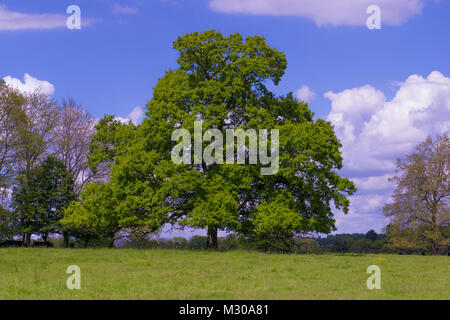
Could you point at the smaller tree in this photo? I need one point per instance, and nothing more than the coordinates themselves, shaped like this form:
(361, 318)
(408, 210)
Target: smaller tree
(11, 114)
(40, 197)
(342, 245)
(104, 212)
(420, 213)
(6, 231)
(307, 245)
(35, 131)
(97, 214)
(371, 235)
(73, 134)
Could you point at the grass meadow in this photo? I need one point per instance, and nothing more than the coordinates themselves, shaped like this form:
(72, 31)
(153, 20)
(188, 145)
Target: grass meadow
(34, 273)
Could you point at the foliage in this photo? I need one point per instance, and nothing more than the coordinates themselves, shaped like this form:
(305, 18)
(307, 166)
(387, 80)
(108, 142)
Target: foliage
(6, 231)
(362, 246)
(371, 235)
(35, 131)
(230, 242)
(307, 246)
(420, 212)
(11, 115)
(197, 243)
(40, 197)
(96, 215)
(222, 81)
(73, 135)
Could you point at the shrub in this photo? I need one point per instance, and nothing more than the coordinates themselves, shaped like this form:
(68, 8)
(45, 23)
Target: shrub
(177, 243)
(197, 243)
(306, 246)
(230, 242)
(140, 243)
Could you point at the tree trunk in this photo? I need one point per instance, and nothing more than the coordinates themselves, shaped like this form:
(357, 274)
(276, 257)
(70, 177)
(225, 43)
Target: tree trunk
(66, 240)
(44, 237)
(111, 243)
(28, 240)
(211, 242)
(434, 248)
(86, 241)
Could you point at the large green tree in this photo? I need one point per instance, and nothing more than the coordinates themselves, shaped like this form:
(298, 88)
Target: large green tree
(223, 82)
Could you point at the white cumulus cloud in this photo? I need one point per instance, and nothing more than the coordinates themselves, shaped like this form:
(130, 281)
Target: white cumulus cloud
(136, 116)
(30, 84)
(325, 12)
(305, 94)
(373, 183)
(374, 131)
(13, 20)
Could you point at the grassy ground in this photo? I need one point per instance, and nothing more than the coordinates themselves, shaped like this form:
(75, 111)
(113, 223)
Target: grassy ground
(169, 274)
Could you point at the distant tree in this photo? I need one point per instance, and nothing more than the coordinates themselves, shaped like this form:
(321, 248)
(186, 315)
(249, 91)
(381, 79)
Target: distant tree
(371, 235)
(11, 115)
(73, 134)
(307, 245)
(230, 242)
(420, 213)
(6, 230)
(342, 245)
(197, 242)
(40, 198)
(380, 245)
(35, 131)
(362, 246)
(177, 243)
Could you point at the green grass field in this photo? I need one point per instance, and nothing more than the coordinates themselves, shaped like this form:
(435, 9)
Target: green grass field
(172, 274)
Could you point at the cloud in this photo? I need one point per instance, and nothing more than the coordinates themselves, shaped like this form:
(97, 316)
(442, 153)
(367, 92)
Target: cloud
(375, 131)
(373, 183)
(136, 116)
(30, 84)
(364, 214)
(13, 21)
(325, 12)
(356, 222)
(305, 94)
(117, 8)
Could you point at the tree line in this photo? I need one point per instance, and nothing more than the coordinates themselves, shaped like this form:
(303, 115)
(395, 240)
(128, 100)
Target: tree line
(370, 242)
(354, 243)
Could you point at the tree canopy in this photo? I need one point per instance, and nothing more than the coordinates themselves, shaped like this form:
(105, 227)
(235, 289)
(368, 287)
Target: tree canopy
(223, 82)
(420, 212)
(40, 198)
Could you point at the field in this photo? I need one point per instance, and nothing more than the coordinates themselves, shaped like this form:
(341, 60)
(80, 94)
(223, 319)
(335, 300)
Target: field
(172, 274)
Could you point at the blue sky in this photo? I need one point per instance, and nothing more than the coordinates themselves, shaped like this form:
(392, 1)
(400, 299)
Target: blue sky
(385, 90)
